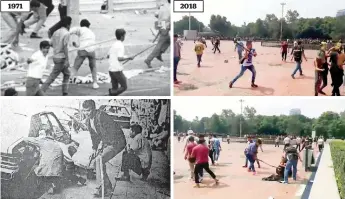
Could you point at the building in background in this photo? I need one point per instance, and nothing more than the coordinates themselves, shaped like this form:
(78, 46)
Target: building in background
(295, 111)
(341, 13)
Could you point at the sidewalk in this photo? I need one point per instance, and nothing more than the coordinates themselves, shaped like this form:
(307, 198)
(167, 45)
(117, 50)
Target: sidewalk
(324, 185)
(138, 37)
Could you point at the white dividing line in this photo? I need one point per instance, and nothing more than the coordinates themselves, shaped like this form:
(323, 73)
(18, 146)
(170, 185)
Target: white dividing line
(300, 190)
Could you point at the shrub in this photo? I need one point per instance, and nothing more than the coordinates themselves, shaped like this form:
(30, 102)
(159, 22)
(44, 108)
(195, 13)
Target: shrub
(338, 156)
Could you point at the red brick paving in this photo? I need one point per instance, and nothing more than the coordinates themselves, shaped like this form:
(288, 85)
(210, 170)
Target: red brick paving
(235, 181)
(273, 76)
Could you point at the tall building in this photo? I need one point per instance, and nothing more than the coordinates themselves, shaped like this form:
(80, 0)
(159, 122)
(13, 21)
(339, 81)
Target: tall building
(341, 13)
(295, 111)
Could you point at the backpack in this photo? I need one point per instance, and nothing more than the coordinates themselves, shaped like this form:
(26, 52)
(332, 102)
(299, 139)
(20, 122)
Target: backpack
(291, 153)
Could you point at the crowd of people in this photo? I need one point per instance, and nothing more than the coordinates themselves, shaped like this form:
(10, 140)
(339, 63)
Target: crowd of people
(60, 39)
(198, 154)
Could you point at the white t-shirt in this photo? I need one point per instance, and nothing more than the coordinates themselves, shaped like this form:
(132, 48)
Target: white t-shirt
(287, 140)
(39, 64)
(320, 141)
(86, 37)
(116, 50)
(298, 140)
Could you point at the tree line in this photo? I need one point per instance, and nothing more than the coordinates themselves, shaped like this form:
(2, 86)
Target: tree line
(294, 27)
(329, 124)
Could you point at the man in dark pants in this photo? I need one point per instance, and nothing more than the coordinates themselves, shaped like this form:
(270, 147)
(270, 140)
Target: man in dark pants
(59, 42)
(210, 146)
(216, 45)
(107, 138)
(63, 13)
(177, 57)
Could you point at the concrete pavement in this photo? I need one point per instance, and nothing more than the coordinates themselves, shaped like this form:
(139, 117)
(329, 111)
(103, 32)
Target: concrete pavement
(324, 185)
(272, 75)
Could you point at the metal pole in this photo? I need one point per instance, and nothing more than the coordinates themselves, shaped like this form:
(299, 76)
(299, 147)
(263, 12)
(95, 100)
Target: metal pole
(241, 100)
(73, 12)
(281, 21)
(189, 21)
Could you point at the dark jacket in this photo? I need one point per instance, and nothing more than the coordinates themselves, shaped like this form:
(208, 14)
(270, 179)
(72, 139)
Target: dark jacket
(108, 131)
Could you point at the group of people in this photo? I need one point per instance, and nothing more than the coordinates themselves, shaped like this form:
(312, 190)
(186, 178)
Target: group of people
(59, 35)
(108, 140)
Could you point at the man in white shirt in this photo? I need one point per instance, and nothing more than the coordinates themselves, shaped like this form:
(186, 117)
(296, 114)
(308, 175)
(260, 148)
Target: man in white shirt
(298, 143)
(320, 143)
(164, 31)
(37, 64)
(117, 54)
(86, 38)
(286, 142)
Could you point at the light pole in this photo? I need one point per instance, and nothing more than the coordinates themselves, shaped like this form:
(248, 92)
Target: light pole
(241, 101)
(281, 21)
(189, 21)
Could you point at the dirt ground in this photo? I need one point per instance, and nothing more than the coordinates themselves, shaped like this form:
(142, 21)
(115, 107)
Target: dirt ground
(273, 76)
(235, 181)
(138, 37)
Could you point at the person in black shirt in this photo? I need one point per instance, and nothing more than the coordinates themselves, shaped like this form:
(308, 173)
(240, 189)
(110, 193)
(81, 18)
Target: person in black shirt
(298, 52)
(216, 45)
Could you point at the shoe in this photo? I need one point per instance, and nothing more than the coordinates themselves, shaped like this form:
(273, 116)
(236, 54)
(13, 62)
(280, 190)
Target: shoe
(177, 82)
(148, 64)
(245, 166)
(64, 94)
(254, 85)
(321, 92)
(301, 75)
(95, 85)
(259, 166)
(230, 85)
(81, 180)
(35, 36)
(293, 77)
(283, 182)
(159, 57)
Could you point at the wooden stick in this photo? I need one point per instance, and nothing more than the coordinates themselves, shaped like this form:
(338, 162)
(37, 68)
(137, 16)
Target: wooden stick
(140, 53)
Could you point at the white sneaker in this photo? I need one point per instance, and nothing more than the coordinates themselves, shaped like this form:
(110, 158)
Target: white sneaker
(95, 85)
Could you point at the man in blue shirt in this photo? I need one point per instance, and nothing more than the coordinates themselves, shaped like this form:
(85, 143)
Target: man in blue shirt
(251, 152)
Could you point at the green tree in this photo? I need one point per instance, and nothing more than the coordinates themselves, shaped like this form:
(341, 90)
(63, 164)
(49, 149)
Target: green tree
(183, 24)
(220, 24)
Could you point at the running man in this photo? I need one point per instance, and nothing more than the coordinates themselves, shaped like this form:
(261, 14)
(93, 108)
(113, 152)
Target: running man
(297, 53)
(247, 64)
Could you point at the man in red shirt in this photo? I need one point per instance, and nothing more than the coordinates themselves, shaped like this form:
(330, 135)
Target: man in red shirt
(284, 50)
(191, 161)
(200, 153)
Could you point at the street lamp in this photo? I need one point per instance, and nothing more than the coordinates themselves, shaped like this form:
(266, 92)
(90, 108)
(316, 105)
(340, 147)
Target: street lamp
(241, 101)
(281, 21)
(189, 21)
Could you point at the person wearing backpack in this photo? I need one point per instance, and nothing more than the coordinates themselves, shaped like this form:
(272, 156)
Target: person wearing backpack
(292, 157)
(298, 52)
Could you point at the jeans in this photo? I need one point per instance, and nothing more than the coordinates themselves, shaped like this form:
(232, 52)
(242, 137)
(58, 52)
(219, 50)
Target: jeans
(198, 58)
(239, 55)
(216, 154)
(59, 67)
(290, 164)
(298, 68)
(176, 61)
(243, 69)
(251, 162)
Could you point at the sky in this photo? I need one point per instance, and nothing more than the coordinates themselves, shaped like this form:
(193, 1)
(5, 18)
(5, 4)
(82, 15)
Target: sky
(190, 107)
(238, 12)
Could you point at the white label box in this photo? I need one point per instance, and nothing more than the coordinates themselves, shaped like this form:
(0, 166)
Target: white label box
(190, 6)
(15, 6)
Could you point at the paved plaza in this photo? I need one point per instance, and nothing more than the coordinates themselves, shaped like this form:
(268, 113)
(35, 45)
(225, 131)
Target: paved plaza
(273, 76)
(235, 181)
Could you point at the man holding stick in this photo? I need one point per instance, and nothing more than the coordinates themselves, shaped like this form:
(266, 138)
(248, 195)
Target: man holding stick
(107, 137)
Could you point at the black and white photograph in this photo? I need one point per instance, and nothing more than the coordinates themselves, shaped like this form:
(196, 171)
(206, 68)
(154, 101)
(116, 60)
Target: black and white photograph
(86, 48)
(85, 148)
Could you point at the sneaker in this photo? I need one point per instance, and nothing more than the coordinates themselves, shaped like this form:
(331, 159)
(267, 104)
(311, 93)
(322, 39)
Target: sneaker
(230, 85)
(95, 85)
(293, 77)
(148, 64)
(254, 85)
(283, 182)
(245, 166)
(35, 36)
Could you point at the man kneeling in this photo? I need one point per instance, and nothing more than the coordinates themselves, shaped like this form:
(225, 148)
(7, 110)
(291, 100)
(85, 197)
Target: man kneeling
(138, 155)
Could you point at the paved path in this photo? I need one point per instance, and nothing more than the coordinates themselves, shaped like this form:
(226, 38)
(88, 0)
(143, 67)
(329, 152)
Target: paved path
(325, 173)
(137, 38)
(235, 181)
(273, 76)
